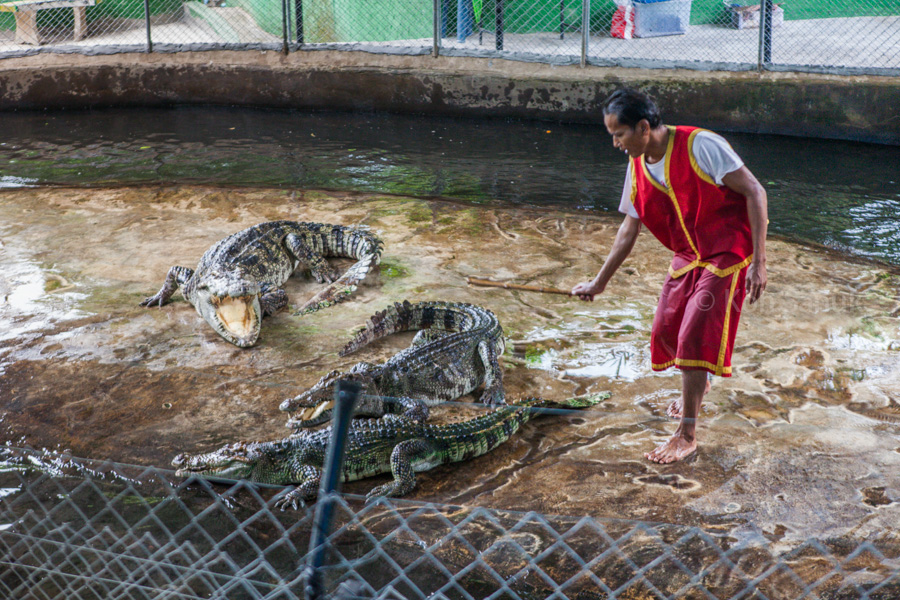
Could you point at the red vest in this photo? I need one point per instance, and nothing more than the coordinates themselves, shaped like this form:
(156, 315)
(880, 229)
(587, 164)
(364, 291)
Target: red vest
(704, 224)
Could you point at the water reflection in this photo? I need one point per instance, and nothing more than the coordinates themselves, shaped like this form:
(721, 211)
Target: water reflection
(8, 181)
(599, 343)
(32, 297)
(625, 361)
(840, 194)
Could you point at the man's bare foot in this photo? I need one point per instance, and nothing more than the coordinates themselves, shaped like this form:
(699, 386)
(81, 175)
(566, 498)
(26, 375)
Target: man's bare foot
(677, 448)
(675, 410)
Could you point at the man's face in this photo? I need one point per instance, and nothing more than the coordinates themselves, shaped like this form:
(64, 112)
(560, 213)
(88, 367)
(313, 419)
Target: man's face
(630, 140)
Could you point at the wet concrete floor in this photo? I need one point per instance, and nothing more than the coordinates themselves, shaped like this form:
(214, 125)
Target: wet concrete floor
(803, 441)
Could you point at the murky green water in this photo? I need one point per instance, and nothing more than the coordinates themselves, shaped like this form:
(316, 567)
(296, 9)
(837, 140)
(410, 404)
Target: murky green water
(840, 194)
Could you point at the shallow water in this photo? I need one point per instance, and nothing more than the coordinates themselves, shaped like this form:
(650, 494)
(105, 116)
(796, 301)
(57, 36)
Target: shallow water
(843, 195)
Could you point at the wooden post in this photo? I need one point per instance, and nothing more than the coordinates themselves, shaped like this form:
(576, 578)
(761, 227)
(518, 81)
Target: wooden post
(80, 22)
(26, 27)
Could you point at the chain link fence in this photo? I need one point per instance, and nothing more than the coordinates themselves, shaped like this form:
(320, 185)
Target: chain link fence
(850, 36)
(72, 528)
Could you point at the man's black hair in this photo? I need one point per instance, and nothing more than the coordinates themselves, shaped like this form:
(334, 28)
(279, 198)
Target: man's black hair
(630, 106)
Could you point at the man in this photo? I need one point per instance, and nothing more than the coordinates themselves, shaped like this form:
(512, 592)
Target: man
(692, 191)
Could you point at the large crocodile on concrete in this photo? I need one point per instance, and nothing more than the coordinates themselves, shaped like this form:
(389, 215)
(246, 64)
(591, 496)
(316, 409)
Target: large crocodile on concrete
(238, 280)
(455, 350)
(392, 444)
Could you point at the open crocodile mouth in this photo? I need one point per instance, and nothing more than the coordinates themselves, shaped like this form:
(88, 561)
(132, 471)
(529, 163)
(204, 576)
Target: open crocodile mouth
(237, 315)
(313, 412)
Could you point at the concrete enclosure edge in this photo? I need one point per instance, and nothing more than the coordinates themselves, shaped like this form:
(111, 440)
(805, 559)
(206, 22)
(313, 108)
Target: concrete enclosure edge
(862, 108)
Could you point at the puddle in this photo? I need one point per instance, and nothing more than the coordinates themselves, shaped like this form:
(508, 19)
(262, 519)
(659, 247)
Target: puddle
(32, 297)
(626, 361)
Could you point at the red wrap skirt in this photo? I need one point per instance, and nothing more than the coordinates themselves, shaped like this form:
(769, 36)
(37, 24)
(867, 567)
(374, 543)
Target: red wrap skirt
(696, 321)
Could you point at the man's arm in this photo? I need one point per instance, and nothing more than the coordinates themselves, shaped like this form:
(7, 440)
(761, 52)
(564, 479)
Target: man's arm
(743, 182)
(621, 248)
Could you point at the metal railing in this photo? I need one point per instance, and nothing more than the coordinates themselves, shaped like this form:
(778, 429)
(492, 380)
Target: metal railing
(853, 36)
(74, 528)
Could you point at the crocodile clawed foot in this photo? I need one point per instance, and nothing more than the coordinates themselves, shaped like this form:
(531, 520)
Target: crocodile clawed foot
(293, 499)
(326, 275)
(156, 300)
(380, 491)
(493, 398)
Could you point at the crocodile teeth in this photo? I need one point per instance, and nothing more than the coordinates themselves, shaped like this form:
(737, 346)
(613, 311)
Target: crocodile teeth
(236, 315)
(314, 411)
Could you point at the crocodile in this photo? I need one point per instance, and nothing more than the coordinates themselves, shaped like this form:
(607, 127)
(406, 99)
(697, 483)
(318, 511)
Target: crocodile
(392, 444)
(238, 280)
(455, 350)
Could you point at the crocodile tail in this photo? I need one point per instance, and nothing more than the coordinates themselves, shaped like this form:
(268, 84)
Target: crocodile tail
(340, 289)
(585, 401)
(357, 243)
(405, 316)
(347, 242)
(581, 401)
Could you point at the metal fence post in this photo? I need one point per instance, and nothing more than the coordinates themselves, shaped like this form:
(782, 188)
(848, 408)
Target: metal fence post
(562, 19)
(147, 23)
(765, 34)
(585, 30)
(438, 16)
(498, 24)
(285, 10)
(344, 400)
(299, 21)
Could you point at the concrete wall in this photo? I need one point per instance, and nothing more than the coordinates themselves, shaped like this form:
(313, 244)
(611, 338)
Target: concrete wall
(855, 108)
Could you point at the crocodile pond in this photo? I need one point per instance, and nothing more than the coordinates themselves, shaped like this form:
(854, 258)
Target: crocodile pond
(803, 440)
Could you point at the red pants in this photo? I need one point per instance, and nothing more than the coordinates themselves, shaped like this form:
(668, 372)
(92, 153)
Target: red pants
(696, 321)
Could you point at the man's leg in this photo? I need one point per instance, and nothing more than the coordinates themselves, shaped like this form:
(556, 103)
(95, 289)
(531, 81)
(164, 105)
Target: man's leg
(676, 407)
(684, 441)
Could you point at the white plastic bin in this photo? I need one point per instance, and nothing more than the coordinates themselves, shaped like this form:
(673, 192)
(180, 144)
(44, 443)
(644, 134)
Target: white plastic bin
(670, 17)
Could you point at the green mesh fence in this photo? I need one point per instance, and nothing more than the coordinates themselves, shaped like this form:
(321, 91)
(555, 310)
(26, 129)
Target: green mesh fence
(858, 36)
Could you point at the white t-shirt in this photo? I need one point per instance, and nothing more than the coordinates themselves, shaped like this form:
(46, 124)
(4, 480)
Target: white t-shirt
(714, 156)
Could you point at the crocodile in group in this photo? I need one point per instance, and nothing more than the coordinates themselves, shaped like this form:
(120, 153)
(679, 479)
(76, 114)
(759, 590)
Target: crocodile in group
(455, 350)
(238, 280)
(392, 444)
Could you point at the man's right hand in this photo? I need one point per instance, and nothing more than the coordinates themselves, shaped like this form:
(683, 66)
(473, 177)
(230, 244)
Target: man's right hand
(624, 242)
(586, 290)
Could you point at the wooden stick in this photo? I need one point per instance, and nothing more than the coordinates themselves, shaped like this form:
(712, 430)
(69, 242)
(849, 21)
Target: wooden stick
(516, 286)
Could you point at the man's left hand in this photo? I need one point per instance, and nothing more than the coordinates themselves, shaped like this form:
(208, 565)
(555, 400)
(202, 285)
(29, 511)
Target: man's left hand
(756, 281)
